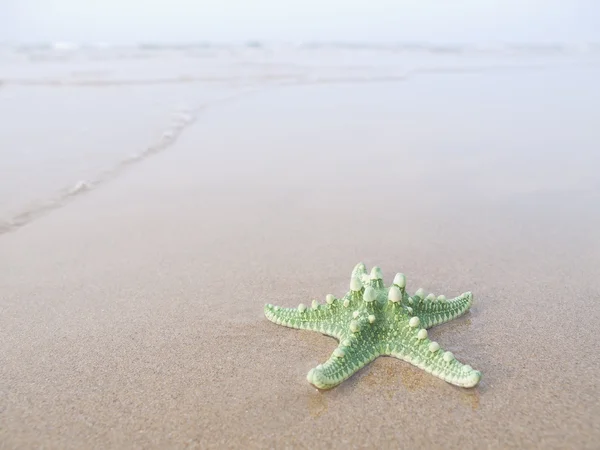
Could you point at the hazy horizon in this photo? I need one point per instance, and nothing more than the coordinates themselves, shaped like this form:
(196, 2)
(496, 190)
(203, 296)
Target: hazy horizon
(375, 21)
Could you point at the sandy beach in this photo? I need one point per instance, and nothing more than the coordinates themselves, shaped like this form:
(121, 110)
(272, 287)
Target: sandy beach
(132, 316)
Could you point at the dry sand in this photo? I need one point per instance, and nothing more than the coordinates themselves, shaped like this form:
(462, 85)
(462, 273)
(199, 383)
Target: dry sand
(132, 317)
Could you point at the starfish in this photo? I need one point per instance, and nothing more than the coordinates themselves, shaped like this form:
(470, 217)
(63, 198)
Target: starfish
(373, 320)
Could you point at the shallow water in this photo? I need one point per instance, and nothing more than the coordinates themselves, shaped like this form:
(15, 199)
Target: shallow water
(72, 118)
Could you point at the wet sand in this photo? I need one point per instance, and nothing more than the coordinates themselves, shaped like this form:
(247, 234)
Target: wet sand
(132, 317)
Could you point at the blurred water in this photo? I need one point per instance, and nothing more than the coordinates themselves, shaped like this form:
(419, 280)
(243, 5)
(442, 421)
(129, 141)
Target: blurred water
(73, 117)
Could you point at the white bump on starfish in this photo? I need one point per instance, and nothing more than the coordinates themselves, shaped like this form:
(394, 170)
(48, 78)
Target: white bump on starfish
(409, 309)
(376, 273)
(355, 284)
(394, 295)
(329, 299)
(467, 368)
(400, 280)
(301, 307)
(355, 314)
(414, 322)
(430, 297)
(339, 352)
(434, 347)
(448, 357)
(354, 326)
(346, 343)
(422, 334)
(371, 318)
(346, 303)
(441, 298)
(315, 304)
(420, 293)
(369, 295)
(410, 300)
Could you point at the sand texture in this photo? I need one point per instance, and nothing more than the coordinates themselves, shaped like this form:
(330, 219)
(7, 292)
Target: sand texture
(133, 316)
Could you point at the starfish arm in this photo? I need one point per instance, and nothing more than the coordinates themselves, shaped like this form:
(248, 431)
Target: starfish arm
(319, 318)
(344, 362)
(439, 310)
(414, 347)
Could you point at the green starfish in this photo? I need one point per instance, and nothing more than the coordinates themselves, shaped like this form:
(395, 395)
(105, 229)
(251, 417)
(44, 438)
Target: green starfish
(372, 320)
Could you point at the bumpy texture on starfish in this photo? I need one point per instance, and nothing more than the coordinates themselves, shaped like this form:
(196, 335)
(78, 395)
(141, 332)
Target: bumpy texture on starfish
(372, 320)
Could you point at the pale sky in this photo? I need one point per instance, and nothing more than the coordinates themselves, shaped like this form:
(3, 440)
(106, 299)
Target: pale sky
(128, 21)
